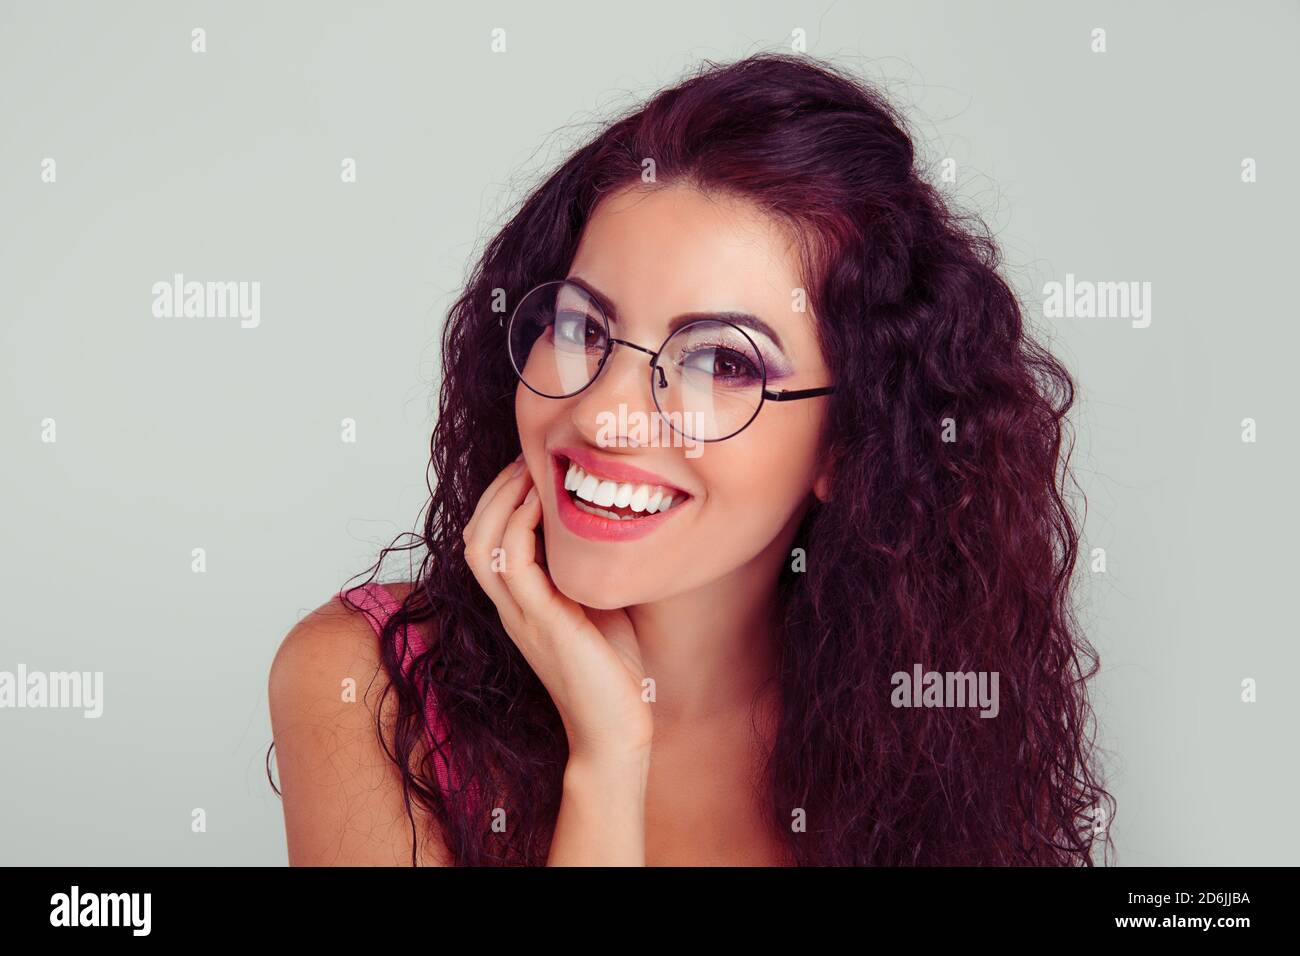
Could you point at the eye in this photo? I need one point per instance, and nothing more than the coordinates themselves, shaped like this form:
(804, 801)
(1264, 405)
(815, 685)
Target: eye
(579, 329)
(723, 365)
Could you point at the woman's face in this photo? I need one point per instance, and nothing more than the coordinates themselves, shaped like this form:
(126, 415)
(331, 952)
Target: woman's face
(656, 254)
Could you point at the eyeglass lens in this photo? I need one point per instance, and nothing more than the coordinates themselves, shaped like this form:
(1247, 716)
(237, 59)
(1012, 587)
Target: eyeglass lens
(709, 380)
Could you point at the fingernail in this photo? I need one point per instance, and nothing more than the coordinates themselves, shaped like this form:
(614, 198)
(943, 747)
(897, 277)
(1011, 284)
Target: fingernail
(531, 496)
(518, 471)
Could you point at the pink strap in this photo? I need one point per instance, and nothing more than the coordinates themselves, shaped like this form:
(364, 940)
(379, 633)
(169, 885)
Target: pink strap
(378, 604)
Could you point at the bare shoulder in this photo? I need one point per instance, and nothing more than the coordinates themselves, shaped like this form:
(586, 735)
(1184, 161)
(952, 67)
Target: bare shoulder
(342, 794)
(330, 644)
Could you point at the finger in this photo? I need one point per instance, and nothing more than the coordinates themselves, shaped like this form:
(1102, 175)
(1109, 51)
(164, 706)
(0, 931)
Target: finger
(484, 569)
(504, 475)
(540, 602)
(490, 525)
(483, 551)
(521, 627)
(513, 471)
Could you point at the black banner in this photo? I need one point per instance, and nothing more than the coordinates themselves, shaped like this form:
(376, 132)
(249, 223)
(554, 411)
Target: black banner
(241, 904)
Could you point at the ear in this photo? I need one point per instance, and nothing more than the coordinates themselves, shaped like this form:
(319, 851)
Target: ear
(822, 483)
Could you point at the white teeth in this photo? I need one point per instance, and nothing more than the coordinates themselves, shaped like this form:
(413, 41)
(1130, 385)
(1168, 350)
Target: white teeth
(605, 493)
(640, 498)
(593, 510)
(587, 487)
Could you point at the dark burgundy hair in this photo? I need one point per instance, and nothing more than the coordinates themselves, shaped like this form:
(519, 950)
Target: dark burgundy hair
(954, 554)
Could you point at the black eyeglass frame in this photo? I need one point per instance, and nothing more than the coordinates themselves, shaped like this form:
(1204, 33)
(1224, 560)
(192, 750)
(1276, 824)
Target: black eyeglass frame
(765, 394)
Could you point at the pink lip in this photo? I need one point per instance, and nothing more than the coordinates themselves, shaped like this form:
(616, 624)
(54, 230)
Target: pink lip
(594, 527)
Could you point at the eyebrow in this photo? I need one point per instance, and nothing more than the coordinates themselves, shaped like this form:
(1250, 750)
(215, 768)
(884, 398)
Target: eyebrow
(746, 319)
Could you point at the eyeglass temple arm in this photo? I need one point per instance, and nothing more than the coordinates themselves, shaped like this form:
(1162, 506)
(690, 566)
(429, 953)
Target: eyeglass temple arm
(789, 395)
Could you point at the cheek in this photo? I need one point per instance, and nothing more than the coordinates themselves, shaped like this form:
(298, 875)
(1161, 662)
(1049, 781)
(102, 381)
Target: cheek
(532, 418)
(754, 493)
(766, 474)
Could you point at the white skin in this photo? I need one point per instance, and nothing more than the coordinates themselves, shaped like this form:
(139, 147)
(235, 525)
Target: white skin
(689, 605)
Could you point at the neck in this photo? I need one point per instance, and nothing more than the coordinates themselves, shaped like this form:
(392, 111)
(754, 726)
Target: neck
(712, 649)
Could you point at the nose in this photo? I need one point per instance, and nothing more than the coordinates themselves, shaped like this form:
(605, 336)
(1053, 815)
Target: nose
(623, 381)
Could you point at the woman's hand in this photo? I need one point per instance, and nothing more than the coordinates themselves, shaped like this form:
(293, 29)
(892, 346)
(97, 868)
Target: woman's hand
(587, 659)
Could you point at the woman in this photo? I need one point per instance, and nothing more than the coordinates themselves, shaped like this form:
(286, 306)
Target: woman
(696, 643)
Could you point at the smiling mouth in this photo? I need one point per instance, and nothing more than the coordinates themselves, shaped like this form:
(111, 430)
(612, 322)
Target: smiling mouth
(617, 500)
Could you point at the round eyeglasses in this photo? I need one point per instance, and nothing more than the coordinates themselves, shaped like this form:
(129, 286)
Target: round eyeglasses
(708, 378)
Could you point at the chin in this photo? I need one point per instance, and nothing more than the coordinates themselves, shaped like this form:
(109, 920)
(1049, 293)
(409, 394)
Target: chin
(590, 590)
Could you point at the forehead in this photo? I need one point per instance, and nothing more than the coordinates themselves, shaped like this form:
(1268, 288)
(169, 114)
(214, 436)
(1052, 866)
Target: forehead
(662, 251)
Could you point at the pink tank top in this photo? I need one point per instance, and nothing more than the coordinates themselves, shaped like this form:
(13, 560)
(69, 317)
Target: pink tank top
(378, 604)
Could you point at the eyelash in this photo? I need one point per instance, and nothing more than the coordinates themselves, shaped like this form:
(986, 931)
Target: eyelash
(775, 369)
(725, 350)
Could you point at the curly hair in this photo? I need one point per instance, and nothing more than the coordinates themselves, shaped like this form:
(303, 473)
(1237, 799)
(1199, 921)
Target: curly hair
(947, 539)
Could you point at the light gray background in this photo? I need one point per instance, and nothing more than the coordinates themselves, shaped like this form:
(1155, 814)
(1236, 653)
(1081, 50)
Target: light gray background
(183, 433)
